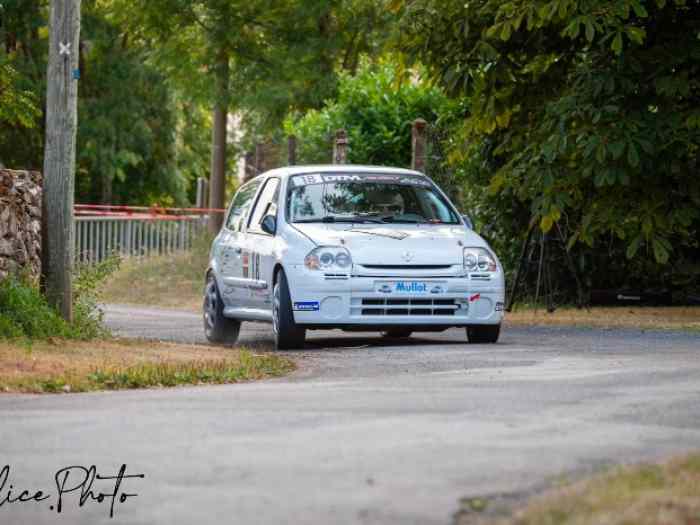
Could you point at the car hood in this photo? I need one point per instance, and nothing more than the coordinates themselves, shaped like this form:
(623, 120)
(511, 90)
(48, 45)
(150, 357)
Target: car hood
(395, 244)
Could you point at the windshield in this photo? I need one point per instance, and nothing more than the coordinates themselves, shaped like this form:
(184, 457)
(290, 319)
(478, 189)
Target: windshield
(367, 198)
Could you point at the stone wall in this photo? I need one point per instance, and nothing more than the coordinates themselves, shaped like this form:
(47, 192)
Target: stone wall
(20, 222)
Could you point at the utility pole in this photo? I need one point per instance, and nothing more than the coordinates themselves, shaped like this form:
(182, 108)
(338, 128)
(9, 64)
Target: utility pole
(59, 157)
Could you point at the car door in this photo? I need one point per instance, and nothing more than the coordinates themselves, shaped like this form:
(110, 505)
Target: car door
(259, 247)
(231, 243)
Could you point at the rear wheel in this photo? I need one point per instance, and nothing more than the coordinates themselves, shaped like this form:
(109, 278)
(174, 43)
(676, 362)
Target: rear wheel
(483, 333)
(397, 333)
(217, 328)
(288, 335)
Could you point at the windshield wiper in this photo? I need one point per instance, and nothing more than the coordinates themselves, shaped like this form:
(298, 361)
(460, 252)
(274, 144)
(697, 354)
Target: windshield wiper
(395, 220)
(334, 219)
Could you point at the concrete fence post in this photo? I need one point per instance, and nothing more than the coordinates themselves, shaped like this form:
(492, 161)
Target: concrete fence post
(340, 147)
(418, 144)
(202, 193)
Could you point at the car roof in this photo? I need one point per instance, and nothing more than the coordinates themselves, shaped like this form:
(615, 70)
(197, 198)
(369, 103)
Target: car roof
(337, 168)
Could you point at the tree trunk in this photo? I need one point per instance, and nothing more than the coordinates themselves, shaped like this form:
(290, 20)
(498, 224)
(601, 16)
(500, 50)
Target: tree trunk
(217, 178)
(59, 157)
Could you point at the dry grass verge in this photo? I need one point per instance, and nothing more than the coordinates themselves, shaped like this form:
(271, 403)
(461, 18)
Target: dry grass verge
(666, 494)
(69, 366)
(174, 281)
(669, 317)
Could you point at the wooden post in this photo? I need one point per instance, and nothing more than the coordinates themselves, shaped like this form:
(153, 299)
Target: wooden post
(419, 145)
(217, 179)
(291, 150)
(340, 147)
(260, 158)
(59, 156)
(248, 166)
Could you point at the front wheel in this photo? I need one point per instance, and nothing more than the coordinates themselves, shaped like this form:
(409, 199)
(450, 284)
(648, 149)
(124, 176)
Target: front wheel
(483, 334)
(288, 335)
(217, 328)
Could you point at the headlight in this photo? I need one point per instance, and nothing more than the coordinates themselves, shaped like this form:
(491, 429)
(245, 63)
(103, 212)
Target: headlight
(479, 260)
(327, 258)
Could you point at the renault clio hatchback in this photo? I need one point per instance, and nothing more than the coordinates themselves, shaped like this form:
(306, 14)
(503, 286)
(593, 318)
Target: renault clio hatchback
(349, 247)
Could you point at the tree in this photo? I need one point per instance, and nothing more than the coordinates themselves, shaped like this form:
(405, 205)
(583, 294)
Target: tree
(314, 43)
(583, 114)
(129, 132)
(22, 83)
(257, 58)
(210, 36)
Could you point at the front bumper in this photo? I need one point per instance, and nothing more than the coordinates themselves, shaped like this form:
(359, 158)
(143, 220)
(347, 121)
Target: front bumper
(352, 300)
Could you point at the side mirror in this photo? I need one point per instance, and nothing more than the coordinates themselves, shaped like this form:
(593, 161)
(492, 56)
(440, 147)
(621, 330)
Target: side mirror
(468, 221)
(269, 224)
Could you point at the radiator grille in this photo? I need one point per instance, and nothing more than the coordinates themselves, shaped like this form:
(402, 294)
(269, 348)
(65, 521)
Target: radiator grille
(407, 266)
(380, 306)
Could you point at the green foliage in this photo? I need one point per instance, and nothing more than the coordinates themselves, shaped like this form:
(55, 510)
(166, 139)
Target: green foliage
(18, 107)
(308, 48)
(22, 86)
(136, 131)
(127, 142)
(25, 314)
(377, 109)
(582, 114)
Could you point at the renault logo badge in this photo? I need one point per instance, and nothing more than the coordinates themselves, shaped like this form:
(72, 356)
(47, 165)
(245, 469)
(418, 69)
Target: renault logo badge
(407, 256)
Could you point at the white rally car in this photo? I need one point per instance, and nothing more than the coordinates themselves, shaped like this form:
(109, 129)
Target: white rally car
(350, 247)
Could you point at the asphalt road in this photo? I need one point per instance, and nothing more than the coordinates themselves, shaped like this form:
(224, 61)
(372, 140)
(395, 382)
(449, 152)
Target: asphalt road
(363, 432)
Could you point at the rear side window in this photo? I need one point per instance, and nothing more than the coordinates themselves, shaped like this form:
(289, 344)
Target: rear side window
(241, 204)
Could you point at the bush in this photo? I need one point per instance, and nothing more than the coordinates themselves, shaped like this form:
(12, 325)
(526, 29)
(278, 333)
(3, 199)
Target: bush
(376, 108)
(88, 317)
(25, 313)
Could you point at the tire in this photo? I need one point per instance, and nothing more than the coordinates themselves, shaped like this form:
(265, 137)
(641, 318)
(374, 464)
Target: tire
(217, 328)
(288, 335)
(398, 333)
(483, 334)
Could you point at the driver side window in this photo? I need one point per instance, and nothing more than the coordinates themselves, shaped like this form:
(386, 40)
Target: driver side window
(266, 205)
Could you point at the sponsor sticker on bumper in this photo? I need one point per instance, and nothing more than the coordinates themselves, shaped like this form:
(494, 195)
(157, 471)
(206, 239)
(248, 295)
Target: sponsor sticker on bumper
(309, 306)
(410, 288)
